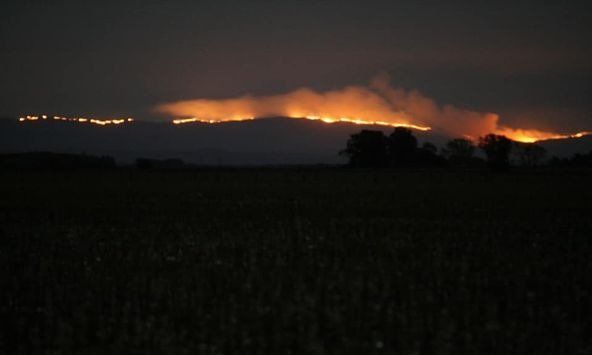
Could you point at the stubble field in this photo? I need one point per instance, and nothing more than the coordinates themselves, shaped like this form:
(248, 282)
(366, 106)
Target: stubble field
(296, 261)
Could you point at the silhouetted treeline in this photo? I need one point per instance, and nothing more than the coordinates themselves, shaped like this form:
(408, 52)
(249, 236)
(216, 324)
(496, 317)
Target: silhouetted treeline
(55, 161)
(373, 149)
(160, 164)
(577, 160)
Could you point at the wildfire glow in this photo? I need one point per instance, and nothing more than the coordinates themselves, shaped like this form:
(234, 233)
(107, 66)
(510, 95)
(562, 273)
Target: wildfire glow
(352, 104)
(376, 104)
(96, 121)
(531, 135)
(195, 119)
(359, 121)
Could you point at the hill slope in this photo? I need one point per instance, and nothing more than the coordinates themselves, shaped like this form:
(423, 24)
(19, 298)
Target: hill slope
(263, 141)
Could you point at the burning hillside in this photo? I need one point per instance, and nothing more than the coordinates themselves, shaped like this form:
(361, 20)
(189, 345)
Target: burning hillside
(376, 104)
(89, 120)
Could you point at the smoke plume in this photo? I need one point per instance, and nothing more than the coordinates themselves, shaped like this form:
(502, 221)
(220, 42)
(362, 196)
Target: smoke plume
(378, 103)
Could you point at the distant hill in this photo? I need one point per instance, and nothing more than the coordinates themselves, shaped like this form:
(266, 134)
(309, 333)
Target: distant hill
(568, 147)
(268, 141)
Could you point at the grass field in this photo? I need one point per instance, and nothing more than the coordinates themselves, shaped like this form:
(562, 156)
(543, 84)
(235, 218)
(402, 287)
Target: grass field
(296, 262)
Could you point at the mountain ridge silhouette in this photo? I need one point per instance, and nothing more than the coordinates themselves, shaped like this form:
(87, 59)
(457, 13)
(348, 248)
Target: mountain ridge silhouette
(273, 141)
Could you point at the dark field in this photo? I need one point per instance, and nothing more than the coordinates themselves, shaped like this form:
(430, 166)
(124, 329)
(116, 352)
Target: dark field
(296, 262)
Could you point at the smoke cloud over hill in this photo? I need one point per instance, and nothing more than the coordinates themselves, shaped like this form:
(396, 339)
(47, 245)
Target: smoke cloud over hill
(377, 103)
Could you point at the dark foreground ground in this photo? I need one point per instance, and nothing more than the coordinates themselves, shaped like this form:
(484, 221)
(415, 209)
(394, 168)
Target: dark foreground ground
(296, 262)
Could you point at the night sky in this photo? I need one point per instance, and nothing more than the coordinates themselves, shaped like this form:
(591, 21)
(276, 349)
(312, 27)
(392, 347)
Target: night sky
(528, 61)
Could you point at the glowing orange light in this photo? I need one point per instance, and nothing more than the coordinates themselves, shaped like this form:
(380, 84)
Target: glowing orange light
(360, 121)
(195, 119)
(378, 103)
(532, 135)
(100, 122)
(325, 119)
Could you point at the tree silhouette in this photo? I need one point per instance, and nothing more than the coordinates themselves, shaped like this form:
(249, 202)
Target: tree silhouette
(428, 155)
(402, 146)
(497, 148)
(429, 148)
(582, 160)
(459, 149)
(577, 160)
(367, 149)
(530, 154)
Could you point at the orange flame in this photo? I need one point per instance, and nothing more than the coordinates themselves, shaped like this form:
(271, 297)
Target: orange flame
(359, 121)
(195, 119)
(376, 104)
(96, 121)
(353, 104)
(533, 135)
